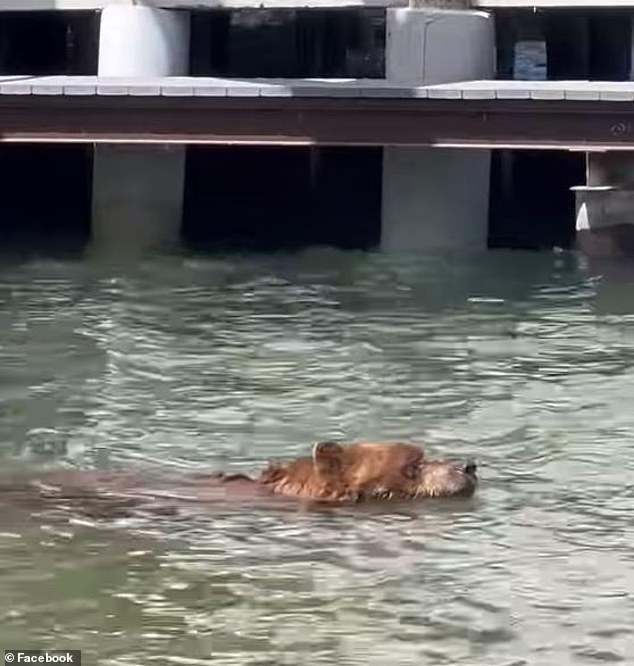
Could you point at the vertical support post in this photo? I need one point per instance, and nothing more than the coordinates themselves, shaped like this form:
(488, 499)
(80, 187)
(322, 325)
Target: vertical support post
(138, 191)
(436, 198)
(605, 206)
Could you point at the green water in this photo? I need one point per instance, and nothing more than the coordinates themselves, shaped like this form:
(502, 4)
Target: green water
(524, 362)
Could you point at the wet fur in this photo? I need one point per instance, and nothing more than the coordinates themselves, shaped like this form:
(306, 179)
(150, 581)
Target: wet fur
(334, 474)
(368, 471)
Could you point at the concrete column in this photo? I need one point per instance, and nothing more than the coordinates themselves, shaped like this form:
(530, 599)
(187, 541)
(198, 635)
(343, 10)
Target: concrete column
(137, 197)
(605, 206)
(138, 190)
(436, 198)
(138, 41)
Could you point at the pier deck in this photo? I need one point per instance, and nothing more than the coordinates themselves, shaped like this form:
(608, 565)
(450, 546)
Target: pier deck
(47, 5)
(525, 114)
(551, 4)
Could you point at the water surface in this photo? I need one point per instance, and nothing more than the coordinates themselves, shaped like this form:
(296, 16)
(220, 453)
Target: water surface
(522, 361)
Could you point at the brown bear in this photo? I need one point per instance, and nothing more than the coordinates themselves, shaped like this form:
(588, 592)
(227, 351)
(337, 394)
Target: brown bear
(369, 471)
(334, 474)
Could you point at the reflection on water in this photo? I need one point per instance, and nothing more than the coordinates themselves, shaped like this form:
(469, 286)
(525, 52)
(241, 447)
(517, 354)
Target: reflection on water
(524, 362)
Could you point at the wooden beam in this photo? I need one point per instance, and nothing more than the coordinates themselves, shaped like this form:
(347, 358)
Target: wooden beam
(575, 125)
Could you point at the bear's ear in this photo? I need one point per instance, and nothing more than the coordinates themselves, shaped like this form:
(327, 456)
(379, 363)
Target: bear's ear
(327, 459)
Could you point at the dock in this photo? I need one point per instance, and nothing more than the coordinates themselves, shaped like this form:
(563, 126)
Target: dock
(572, 115)
(433, 94)
(91, 5)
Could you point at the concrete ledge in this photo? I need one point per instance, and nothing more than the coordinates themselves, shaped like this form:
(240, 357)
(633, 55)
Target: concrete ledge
(553, 4)
(599, 208)
(185, 86)
(595, 188)
(46, 5)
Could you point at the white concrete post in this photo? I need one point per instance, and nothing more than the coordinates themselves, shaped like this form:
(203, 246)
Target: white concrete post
(605, 205)
(138, 190)
(436, 198)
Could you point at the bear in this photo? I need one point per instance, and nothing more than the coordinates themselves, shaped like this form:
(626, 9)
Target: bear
(335, 473)
(363, 471)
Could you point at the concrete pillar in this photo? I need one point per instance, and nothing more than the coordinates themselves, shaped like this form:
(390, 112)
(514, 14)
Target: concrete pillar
(138, 41)
(605, 206)
(436, 198)
(137, 197)
(138, 190)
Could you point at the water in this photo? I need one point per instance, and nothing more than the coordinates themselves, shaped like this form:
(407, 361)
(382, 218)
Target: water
(524, 362)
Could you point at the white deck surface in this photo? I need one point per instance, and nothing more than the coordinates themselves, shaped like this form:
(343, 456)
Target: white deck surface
(320, 88)
(35, 5)
(38, 5)
(492, 4)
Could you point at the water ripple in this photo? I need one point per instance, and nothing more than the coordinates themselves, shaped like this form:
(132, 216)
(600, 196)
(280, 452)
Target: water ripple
(523, 362)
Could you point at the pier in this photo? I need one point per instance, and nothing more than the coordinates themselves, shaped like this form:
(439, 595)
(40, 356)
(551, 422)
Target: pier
(435, 90)
(574, 116)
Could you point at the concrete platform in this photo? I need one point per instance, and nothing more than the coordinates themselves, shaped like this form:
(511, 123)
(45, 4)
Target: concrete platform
(543, 114)
(46, 5)
(193, 87)
(552, 4)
